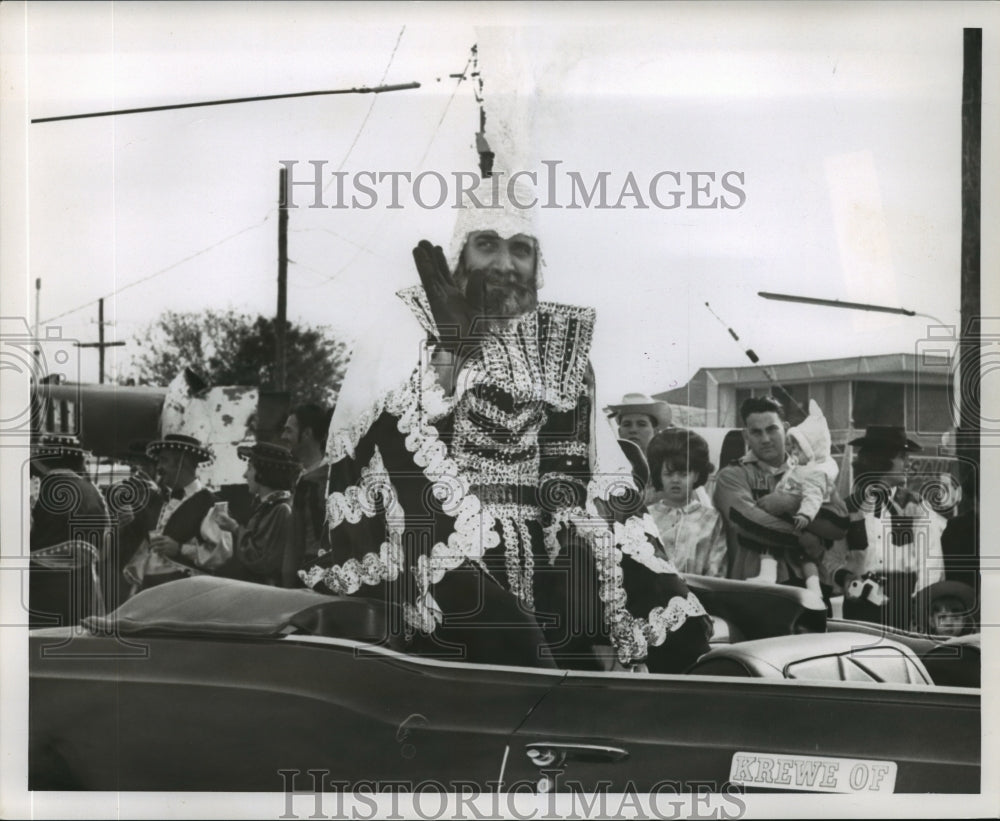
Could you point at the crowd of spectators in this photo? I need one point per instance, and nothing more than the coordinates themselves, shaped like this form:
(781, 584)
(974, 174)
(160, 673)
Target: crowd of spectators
(775, 516)
(771, 515)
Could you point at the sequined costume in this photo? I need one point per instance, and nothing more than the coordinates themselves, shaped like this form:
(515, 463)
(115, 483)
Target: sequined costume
(491, 501)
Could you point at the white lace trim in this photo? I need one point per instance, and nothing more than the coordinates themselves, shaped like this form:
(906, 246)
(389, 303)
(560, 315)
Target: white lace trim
(363, 499)
(604, 486)
(415, 298)
(632, 636)
(347, 578)
(533, 369)
(473, 534)
(423, 383)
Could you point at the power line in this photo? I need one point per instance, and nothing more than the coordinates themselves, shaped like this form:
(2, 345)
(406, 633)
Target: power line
(444, 113)
(361, 90)
(160, 271)
(358, 90)
(368, 114)
(146, 109)
(437, 128)
(341, 237)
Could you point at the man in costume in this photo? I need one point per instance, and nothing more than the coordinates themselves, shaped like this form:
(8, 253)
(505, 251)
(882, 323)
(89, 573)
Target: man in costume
(187, 540)
(894, 534)
(69, 528)
(477, 491)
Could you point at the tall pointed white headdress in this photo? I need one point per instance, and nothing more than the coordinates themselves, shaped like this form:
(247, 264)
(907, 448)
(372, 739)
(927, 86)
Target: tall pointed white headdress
(507, 202)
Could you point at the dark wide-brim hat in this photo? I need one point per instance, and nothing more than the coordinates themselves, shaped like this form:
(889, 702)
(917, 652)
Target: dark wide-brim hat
(885, 437)
(181, 442)
(959, 590)
(58, 444)
(269, 455)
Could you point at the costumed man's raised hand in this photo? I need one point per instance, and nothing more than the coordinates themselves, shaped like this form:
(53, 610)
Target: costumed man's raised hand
(454, 314)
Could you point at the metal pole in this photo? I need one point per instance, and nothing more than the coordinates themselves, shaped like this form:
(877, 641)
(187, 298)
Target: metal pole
(282, 279)
(175, 106)
(100, 340)
(38, 315)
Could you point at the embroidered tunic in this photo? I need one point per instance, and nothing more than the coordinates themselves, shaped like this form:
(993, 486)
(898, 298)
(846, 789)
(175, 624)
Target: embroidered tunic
(499, 479)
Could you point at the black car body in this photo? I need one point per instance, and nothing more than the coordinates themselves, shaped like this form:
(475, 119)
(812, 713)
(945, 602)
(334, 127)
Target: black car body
(212, 684)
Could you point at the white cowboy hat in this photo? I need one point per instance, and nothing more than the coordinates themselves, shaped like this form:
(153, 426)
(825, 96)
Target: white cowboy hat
(641, 403)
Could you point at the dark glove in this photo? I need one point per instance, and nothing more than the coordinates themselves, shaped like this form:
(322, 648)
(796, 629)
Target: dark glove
(453, 313)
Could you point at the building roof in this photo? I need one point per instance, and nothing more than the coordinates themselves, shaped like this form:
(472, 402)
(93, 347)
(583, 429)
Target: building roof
(932, 369)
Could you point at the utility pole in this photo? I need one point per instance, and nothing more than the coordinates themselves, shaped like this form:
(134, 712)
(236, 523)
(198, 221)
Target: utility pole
(970, 339)
(100, 344)
(280, 324)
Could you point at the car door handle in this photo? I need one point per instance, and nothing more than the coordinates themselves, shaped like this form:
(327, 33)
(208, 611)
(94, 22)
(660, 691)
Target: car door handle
(555, 753)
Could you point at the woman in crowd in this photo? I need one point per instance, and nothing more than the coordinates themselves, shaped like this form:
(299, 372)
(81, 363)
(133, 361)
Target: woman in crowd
(639, 417)
(260, 544)
(691, 530)
(69, 528)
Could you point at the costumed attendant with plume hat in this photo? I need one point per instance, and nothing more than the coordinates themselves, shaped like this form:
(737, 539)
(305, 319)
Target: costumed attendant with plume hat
(69, 525)
(187, 540)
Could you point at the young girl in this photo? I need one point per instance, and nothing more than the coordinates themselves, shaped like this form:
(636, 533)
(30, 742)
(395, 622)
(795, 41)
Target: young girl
(690, 528)
(804, 488)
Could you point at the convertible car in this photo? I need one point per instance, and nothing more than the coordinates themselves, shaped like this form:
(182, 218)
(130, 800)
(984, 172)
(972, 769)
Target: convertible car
(215, 684)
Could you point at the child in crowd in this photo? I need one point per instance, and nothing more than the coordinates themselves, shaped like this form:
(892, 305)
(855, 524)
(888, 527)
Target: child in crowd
(806, 485)
(690, 528)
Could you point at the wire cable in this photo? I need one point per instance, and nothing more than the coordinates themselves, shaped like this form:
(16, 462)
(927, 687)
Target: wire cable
(160, 271)
(371, 107)
(437, 128)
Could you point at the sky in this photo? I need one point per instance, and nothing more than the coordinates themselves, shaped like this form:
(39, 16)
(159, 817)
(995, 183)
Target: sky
(842, 124)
